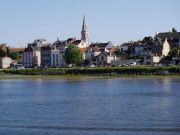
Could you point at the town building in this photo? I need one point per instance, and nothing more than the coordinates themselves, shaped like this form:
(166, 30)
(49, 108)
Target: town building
(55, 57)
(5, 62)
(173, 37)
(31, 57)
(102, 46)
(46, 56)
(104, 59)
(39, 43)
(151, 60)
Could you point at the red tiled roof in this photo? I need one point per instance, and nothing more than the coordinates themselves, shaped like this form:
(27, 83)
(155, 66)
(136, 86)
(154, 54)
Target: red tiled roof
(83, 50)
(114, 50)
(95, 49)
(16, 49)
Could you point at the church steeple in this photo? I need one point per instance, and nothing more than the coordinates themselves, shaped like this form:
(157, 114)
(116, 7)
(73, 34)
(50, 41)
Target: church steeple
(84, 27)
(84, 32)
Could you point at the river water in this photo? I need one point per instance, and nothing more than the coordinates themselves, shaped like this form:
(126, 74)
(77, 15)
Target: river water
(126, 106)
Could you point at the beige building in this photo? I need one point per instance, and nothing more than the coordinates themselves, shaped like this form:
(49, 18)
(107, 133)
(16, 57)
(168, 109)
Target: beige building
(5, 62)
(55, 58)
(104, 58)
(150, 60)
(31, 57)
(165, 48)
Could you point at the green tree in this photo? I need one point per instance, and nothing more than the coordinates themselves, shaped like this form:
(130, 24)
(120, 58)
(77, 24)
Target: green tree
(73, 55)
(174, 30)
(15, 55)
(2, 53)
(173, 53)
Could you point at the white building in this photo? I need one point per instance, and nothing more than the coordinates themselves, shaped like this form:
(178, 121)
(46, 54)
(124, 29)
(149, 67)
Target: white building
(5, 62)
(166, 48)
(104, 58)
(55, 58)
(124, 47)
(150, 60)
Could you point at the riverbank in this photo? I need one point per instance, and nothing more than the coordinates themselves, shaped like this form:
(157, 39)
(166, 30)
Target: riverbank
(106, 71)
(52, 77)
(82, 77)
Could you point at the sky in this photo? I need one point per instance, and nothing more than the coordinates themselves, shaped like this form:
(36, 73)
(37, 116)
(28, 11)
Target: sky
(119, 21)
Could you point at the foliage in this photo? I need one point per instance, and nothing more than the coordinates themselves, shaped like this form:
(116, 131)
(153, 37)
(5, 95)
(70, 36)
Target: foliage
(73, 55)
(174, 30)
(2, 53)
(15, 55)
(99, 71)
(173, 53)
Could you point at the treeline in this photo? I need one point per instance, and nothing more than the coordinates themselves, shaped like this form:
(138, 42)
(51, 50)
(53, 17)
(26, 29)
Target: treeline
(97, 71)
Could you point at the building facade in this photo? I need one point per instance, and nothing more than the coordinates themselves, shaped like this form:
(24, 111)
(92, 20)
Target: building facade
(55, 58)
(46, 56)
(31, 57)
(5, 62)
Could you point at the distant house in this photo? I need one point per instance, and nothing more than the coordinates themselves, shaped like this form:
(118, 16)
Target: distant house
(5, 62)
(39, 43)
(46, 56)
(55, 57)
(31, 57)
(124, 47)
(91, 53)
(150, 60)
(161, 48)
(104, 58)
(102, 46)
(172, 37)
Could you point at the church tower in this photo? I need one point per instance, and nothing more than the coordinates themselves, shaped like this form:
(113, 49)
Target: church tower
(84, 32)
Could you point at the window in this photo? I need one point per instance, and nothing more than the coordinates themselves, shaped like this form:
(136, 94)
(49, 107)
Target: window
(102, 58)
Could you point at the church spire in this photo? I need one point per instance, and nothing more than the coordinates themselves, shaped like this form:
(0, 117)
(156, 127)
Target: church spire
(84, 32)
(84, 27)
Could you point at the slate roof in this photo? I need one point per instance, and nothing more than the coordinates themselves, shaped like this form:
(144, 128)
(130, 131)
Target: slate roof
(76, 42)
(31, 48)
(99, 45)
(169, 35)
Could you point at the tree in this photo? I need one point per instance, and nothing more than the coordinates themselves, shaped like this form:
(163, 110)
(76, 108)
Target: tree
(15, 55)
(2, 53)
(73, 55)
(172, 54)
(174, 30)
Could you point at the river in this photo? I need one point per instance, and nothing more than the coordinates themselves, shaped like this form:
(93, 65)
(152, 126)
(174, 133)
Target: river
(127, 106)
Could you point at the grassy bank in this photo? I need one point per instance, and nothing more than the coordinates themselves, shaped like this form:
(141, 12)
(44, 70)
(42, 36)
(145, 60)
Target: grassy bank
(107, 71)
(54, 77)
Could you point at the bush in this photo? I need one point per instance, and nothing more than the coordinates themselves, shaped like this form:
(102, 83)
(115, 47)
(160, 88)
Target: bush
(97, 71)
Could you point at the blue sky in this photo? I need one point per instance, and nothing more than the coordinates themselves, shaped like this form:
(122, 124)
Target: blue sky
(22, 21)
